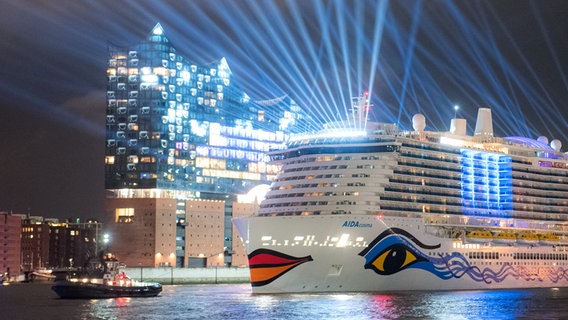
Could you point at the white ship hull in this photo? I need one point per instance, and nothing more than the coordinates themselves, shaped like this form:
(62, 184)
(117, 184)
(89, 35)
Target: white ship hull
(362, 253)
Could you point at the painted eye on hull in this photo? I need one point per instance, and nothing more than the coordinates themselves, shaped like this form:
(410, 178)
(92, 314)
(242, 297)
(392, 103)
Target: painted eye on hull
(393, 259)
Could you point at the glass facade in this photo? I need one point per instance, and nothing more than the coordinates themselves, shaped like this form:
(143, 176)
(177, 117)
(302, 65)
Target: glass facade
(178, 130)
(175, 125)
(487, 183)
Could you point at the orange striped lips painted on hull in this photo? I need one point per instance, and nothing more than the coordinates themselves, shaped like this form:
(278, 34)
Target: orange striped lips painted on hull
(268, 265)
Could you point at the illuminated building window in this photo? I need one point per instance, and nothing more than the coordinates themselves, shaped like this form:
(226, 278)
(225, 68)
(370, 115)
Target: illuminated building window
(261, 115)
(124, 215)
(163, 112)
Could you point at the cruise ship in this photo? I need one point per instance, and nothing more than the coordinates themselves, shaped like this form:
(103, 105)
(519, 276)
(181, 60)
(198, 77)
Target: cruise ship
(367, 207)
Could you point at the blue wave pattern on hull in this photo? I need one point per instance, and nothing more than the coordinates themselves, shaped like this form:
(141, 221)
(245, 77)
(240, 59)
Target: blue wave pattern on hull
(395, 250)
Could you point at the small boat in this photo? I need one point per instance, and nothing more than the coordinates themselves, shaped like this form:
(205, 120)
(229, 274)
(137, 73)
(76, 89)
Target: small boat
(110, 283)
(479, 236)
(42, 274)
(91, 290)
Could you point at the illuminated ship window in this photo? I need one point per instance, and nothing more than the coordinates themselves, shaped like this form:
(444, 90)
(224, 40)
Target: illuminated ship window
(165, 63)
(193, 91)
(111, 142)
(134, 63)
(164, 95)
(132, 54)
(120, 134)
(133, 102)
(172, 56)
(213, 72)
(111, 78)
(121, 150)
(145, 110)
(109, 160)
(133, 159)
(112, 103)
(132, 142)
(110, 119)
(133, 78)
(132, 118)
(179, 65)
(193, 68)
(121, 110)
(131, 167)
(144, 150)
(143, 135)
(110, 94)
(144, 86)
(122, 126)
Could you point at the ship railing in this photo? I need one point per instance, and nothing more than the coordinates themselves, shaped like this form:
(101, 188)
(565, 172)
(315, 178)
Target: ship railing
(494, 223)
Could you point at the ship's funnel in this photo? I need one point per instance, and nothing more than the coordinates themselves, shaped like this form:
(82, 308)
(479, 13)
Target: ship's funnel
(484, 124)
(458, 126)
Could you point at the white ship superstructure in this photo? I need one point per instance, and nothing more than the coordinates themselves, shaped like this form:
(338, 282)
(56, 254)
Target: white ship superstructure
(377, 208)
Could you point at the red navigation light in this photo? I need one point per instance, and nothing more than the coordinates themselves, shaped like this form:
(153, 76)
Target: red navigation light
(366, 93)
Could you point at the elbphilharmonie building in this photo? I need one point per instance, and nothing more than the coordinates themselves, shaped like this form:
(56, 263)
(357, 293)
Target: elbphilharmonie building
(177, 131)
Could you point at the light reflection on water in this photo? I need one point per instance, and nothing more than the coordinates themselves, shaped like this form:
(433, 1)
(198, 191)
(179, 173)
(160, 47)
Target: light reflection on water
(36, 301)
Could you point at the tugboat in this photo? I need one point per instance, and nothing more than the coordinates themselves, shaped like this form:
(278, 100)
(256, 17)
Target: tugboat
(106, 281)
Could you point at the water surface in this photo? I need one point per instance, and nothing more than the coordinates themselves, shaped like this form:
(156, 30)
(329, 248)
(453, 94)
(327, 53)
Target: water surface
(37, 301)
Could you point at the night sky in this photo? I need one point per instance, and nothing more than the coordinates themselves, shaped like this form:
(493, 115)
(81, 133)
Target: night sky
(509, 55)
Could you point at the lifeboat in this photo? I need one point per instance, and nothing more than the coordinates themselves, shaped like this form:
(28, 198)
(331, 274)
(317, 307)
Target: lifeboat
(528, 238)
(479, 236)
(548, 239)
(508, 238)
